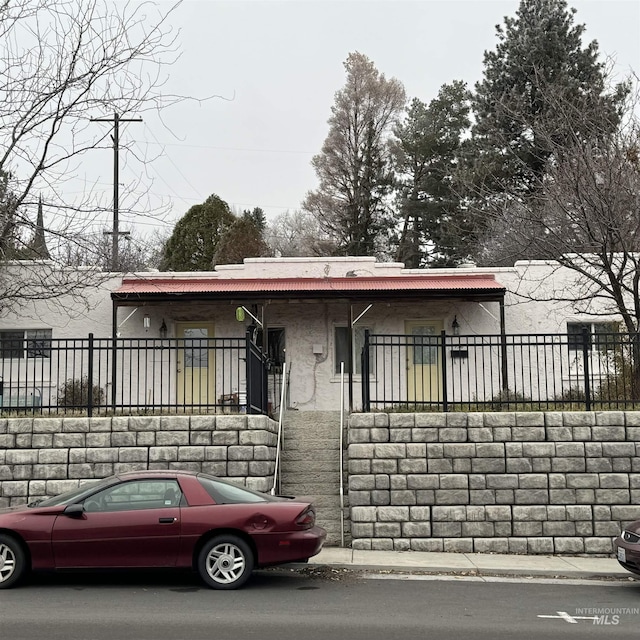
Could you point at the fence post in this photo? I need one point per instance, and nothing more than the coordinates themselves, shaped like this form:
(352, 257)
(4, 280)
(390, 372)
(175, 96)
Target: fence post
(585, 360)
(443, 357)
(366, 391)
(90, 377)
(248, 371)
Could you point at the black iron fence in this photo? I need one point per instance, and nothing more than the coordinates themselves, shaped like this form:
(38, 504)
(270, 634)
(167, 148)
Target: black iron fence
(101, 376)
(575, 371)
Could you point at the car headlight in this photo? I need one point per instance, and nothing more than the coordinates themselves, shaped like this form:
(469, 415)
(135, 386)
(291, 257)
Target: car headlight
(630, 537)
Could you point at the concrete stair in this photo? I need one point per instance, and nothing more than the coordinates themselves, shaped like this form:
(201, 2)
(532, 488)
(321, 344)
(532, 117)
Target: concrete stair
(310, 465)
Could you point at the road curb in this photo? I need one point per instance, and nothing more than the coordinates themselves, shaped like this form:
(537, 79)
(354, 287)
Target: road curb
(469, 572)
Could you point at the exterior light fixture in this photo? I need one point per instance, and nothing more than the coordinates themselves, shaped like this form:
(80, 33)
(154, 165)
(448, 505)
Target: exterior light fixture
(163, 329)
(455, 326)
(146, 322)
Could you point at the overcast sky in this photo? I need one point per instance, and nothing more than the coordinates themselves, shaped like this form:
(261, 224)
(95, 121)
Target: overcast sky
(278, 65)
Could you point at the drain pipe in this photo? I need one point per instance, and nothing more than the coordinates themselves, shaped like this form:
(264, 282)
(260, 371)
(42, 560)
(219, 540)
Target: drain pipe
(341, 454)
(276, 471)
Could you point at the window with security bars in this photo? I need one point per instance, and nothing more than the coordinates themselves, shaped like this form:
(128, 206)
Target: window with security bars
(32, 343)
(601, 335)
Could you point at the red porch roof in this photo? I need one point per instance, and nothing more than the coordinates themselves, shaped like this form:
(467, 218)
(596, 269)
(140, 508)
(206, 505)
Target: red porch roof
(430, 285)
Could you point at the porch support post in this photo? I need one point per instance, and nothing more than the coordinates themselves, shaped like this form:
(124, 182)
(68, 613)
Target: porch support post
(503, 349)
(350, 355)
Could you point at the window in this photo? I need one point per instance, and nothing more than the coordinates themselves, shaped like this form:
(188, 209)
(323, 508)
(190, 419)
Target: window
(341, 342)
(600, 334)
(196, 348)
(35, 343)
(136, 495)
(224, 493)
(276, 347)
(425, 345)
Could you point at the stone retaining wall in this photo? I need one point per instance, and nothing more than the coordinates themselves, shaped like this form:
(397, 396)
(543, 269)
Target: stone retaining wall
(493, 482)
(45, 456)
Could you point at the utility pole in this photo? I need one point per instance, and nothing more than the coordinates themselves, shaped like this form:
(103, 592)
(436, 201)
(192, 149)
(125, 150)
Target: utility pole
(116, 233)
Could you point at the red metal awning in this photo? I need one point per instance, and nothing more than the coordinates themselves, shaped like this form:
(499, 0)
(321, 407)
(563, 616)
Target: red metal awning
(431, 285)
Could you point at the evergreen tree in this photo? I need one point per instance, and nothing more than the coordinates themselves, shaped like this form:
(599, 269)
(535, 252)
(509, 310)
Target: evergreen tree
(193, 244)
(257, 217)
(539, 62)
(427, 153)
(243, 239)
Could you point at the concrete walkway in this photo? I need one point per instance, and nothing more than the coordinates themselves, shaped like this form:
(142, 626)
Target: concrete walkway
(481, 564)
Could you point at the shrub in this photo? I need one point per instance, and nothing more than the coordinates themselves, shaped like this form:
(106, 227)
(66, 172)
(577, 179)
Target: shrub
(75, 393)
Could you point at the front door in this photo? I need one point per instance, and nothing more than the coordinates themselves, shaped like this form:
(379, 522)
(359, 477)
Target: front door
(196, 363)
(423, 361)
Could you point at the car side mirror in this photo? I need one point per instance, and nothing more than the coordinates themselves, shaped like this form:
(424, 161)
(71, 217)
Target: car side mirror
(74, 510)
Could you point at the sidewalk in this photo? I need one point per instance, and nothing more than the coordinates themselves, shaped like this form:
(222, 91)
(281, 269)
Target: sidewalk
(479, 564)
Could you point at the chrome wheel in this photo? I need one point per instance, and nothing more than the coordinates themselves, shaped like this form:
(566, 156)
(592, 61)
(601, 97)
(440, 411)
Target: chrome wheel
(12, 562)
(7, 563)
(225, 562)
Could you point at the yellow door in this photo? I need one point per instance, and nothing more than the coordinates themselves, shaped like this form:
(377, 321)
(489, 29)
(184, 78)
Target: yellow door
(196, 363)
(423, 361)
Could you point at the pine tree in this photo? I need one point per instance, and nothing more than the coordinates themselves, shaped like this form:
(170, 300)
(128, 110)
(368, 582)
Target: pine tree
(427, 155)
(539, 62)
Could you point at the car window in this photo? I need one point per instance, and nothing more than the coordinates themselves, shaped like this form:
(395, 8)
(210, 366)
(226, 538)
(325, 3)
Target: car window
(224, 493)
(136, 495)
(75, 495)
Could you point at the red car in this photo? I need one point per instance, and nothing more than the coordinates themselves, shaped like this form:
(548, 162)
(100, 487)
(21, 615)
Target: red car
(158, 519)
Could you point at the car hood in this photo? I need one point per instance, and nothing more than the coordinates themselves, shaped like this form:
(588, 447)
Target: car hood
(22, 507)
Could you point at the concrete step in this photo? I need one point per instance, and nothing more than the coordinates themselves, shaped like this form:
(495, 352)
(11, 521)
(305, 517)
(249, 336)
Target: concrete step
(321, 475)
(311, 464)
(293, 455)
(294, 467)
(312, 415)
(311, 444)
(304, 486)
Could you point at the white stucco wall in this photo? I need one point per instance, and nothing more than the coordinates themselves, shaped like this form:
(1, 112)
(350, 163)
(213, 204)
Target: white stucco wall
(532, 305)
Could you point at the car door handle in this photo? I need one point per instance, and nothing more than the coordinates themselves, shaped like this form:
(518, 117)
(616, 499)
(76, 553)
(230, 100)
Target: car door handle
(167, 520)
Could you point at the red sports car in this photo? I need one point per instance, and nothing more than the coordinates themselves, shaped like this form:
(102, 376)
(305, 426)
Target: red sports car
(158, 519)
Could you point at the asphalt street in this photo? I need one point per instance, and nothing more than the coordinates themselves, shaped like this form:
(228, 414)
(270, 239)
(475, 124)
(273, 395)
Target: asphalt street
(316, 604)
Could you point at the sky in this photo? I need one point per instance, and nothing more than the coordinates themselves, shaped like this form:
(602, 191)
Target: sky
(276, 66)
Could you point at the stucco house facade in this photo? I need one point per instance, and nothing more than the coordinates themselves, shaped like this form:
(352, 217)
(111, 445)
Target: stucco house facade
(312, 314)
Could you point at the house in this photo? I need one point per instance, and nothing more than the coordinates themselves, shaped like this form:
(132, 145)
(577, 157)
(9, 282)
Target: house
(298, 311)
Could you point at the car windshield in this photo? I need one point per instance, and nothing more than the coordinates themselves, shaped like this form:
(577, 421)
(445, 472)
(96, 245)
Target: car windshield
(69, 497)
(225, 493)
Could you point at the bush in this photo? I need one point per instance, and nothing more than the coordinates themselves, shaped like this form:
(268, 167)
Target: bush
(75, 393)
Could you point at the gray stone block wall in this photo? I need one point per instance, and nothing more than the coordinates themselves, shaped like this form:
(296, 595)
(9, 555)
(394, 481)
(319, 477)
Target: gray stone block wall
(45, 456)
(537, 483)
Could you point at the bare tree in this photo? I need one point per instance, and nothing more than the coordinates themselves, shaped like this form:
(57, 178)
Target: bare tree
(584, 215)
(136, 253)
(62, 63)
(297, 234)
